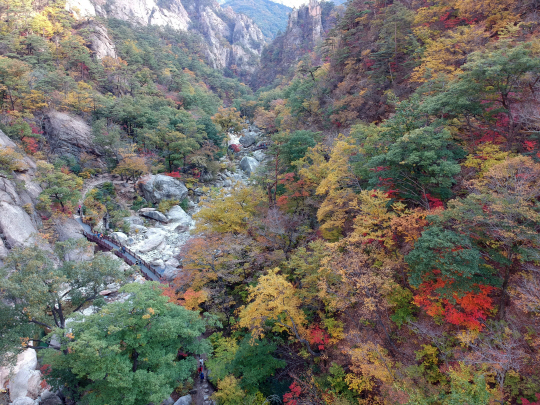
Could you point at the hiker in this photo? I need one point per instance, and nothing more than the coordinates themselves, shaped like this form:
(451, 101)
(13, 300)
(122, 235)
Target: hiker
(202, 377)
(79, 210)
(201, 362)
(123, 249)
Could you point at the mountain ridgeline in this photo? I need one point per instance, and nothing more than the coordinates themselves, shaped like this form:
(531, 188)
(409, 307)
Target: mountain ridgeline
(229, 40)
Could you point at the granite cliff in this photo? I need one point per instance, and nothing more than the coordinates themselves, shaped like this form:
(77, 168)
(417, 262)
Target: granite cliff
(232, 40)
(306, 29)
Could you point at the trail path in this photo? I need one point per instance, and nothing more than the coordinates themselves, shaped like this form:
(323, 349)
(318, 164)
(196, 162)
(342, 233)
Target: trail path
(204, 388)
(107, 244)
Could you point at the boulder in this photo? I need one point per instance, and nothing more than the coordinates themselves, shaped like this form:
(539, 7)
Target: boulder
(156, 215)
(247, 140)
(24, 401)
(259, 155)
(179, 219)
(69, 135)
(155, 238)
(16, 225)
(227, 183)
(120, 237)
(248, 164)
(50, 398)
(185, 400)
(156, 188)
(26, 359)
(168, 401)
(26, 383)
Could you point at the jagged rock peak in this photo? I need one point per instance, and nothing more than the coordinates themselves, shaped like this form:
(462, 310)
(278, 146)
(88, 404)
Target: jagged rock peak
(311, 14)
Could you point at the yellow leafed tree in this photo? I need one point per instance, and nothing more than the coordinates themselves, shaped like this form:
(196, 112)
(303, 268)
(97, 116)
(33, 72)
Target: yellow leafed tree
(274, 298)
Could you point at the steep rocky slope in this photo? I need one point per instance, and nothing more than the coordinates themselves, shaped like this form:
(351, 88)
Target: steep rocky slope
(305, 30)
(232, 40)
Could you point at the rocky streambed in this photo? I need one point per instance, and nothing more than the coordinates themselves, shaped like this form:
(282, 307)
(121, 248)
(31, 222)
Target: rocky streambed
(158, 237)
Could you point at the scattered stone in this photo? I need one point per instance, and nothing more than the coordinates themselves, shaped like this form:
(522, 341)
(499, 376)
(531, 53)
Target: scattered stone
(185, 400)
(160, 187)
(156, 215)
(248, 164)
(247, 140)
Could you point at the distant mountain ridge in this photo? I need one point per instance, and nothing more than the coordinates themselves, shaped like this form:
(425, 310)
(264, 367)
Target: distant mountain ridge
(270, 16)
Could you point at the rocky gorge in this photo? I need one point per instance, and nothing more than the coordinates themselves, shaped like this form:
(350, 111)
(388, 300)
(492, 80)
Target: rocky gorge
(156, 237)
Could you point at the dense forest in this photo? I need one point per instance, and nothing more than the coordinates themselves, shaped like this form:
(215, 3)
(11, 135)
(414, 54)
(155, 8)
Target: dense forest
(386, 251)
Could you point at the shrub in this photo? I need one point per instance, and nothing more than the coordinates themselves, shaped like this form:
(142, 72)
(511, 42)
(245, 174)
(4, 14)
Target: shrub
(166, 205)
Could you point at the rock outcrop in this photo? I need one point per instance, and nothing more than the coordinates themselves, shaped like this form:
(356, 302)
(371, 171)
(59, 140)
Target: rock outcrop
(101, 44)
(156, 188)
(69, 135)
(18, 195)
(305, 30)
(232, 40)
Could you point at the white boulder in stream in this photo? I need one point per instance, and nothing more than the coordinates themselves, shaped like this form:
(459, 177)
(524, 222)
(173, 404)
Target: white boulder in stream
(179, 219)
(155, 237)
(249, 164)
(160, 187)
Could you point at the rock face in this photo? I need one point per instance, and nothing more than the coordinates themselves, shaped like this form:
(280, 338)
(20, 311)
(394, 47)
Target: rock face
(16, 225)
(230, 38)
(248, 164)
(305, 29)
(68, 135)
(156, 188)
(100, 42)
